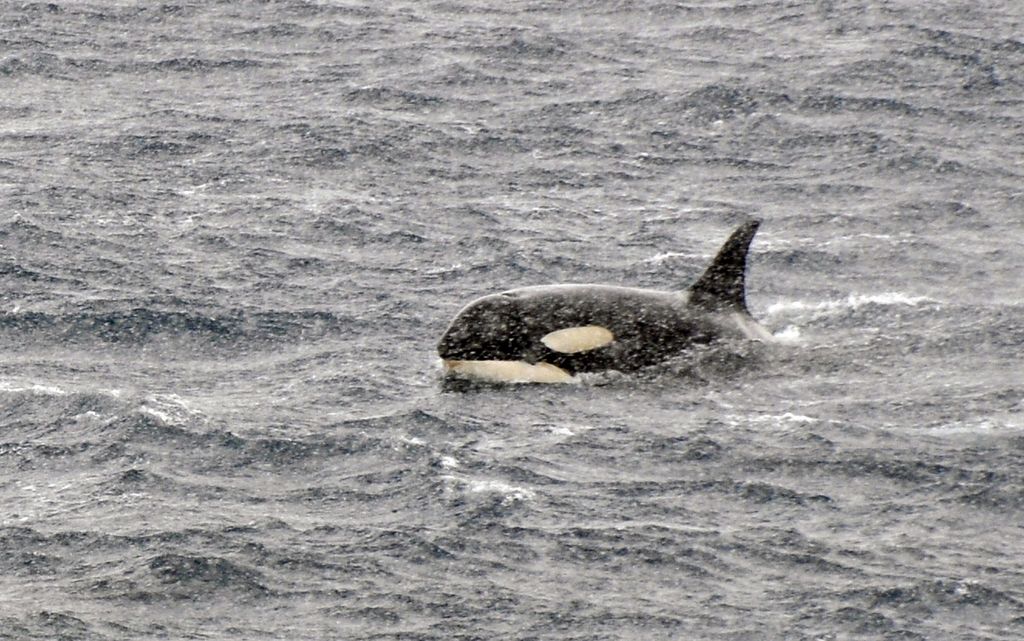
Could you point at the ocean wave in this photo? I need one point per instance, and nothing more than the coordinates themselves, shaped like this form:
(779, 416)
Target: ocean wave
(190, 576)
(48, 624)
(941, 593)
(196, 64)
(144, 324)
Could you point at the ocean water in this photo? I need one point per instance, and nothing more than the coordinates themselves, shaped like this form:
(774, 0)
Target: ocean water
(232, 232)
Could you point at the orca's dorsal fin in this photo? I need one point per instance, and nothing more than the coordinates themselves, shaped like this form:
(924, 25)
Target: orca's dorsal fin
(723, 285)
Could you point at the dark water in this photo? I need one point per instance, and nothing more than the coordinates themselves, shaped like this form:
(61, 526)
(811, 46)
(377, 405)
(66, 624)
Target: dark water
(230, 234)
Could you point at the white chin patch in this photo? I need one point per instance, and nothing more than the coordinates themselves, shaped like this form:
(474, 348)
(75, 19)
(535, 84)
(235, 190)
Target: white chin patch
(578, 339)
(508, 371)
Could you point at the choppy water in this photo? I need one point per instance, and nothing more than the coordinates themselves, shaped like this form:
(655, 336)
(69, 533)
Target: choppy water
(230, 234)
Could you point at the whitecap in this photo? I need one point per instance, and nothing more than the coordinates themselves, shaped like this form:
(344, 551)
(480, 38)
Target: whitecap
(778, 420)
(508, 491)
(561, 430)
(789, 335)
(34, 388)
(662, 257)
(169, 409)
(163, 417)
(851, 302)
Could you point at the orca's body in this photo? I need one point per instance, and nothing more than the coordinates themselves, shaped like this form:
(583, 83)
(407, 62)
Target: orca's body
(550, 333)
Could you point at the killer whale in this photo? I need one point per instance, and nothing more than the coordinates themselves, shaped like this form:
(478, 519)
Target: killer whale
(550, 333)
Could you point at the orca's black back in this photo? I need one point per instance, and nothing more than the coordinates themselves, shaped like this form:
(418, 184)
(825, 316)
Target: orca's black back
(648, 326)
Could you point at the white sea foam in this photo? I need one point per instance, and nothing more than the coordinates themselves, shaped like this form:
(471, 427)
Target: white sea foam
(788, 335)
(561, 430)
(169, 409)
(508, 491)
(790, 417)
(35, 388)
(781, 420)
(663, 256)
(851, 302)
(163, 417)
(568, 429)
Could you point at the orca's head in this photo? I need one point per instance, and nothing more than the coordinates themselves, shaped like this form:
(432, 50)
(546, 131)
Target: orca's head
(489, 328)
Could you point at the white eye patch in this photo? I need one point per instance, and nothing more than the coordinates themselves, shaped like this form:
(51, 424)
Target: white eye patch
(578, 339)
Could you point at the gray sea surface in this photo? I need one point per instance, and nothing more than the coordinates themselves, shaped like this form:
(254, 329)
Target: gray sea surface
(231, 234)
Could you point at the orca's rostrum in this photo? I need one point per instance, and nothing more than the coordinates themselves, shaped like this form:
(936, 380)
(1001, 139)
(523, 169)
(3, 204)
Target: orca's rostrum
(549, 333)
